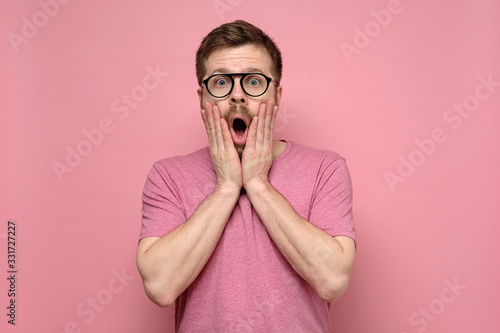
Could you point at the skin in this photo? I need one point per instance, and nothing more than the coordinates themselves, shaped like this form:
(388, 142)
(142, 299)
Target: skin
(168, 265)
(260, 149)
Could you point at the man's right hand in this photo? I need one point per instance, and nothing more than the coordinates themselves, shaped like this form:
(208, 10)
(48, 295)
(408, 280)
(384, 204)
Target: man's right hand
(169, 264)
(224, 155)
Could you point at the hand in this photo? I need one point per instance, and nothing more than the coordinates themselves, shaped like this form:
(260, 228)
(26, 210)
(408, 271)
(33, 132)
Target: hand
(257, 157)
(224, 156)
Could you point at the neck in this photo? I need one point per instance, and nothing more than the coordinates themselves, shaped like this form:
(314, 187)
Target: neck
(278, 148)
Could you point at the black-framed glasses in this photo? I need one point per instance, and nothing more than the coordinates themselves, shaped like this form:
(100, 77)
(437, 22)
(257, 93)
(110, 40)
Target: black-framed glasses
(253, 84)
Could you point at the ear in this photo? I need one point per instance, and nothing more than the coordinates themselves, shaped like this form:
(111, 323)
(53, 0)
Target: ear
(278, 95)
(200, 94)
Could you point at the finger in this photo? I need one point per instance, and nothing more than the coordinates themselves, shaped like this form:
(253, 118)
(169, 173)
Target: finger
(273, 122)
(204, 116)
(218, 130)
(252, 132)
(211, 127)
(226, 135)
(269, 118)
(261, 125)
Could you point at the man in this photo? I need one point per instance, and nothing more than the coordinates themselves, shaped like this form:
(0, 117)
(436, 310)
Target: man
(249, 234)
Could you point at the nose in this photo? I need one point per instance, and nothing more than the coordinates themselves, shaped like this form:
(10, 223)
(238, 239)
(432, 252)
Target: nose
(237, 96)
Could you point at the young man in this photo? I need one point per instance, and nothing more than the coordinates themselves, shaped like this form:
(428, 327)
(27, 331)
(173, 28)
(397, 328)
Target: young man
(249, 234)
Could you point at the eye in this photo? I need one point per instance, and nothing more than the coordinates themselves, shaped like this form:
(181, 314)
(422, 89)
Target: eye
(254, 81)
(221, 81)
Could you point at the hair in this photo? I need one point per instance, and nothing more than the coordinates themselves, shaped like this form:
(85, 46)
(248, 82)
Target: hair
(234, 34)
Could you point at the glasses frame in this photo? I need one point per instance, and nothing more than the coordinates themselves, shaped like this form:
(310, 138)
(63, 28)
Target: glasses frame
(243, 75)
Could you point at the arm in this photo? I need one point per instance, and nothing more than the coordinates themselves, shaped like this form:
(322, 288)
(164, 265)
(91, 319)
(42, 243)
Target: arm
(168, 265)
(324, 261)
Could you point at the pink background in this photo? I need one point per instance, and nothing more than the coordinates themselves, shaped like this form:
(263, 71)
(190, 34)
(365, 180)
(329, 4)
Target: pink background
(366, 95)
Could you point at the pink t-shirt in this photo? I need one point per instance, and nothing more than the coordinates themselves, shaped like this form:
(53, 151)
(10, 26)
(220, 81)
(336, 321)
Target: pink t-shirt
(247, 285)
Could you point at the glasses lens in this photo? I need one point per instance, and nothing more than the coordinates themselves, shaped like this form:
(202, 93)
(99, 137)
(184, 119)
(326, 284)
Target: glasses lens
(219, 85)
(255, 84)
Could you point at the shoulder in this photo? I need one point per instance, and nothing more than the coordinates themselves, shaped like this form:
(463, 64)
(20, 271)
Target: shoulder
(180, 164)
(199, 157)
(299, 151)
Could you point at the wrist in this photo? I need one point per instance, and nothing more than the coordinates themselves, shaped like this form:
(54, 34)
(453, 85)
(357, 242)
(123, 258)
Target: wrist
(257, 187)
(228, 190)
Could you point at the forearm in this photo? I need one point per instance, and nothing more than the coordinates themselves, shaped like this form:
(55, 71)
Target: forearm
(170, 264)
(315, 255)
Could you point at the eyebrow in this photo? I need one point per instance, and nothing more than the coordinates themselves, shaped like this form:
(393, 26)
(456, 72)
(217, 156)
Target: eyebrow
(223, 70)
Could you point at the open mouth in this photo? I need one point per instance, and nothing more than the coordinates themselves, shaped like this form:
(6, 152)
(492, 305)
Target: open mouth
(239, 127)
(239, 131)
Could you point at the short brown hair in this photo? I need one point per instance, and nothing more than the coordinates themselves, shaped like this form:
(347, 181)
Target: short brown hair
(237, 33)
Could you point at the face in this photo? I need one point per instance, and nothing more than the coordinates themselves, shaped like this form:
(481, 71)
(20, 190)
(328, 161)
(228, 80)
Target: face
(238, 108)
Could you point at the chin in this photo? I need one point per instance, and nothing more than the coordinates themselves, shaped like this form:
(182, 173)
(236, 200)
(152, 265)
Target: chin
(239, 150)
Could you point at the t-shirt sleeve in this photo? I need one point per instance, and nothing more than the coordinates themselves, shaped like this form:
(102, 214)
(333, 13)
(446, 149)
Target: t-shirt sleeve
(161, 205)
(332, 200)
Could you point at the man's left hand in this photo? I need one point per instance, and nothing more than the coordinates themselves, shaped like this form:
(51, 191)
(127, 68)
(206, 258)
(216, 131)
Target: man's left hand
(257, 157)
